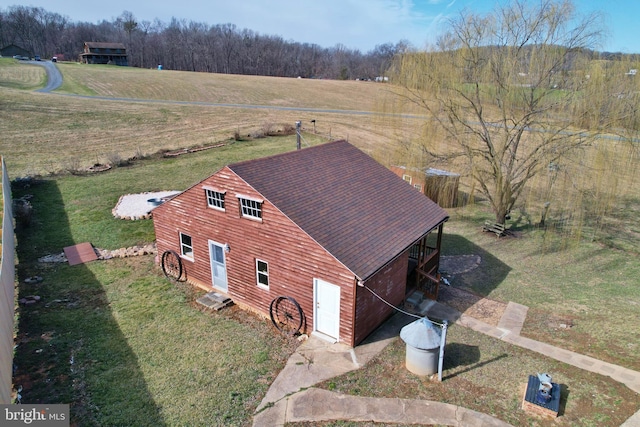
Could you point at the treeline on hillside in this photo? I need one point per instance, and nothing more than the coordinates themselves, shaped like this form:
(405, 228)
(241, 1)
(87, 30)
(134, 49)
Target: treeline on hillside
(191, 46)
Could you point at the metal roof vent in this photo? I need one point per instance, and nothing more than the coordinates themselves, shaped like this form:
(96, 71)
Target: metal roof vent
(421, 334)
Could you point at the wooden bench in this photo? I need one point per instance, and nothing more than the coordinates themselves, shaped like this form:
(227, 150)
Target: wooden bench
(493, 227)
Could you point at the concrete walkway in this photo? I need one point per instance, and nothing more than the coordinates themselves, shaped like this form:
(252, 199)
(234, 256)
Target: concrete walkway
(291, 398)
(321, 405)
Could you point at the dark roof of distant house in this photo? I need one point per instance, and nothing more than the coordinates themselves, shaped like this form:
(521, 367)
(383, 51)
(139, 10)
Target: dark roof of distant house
(12, 45)
(358, 210)
(102, 45)
(14, 48)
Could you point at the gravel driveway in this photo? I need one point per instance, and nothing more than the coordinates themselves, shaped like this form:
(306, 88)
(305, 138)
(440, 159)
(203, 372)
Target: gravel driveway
(54, 76)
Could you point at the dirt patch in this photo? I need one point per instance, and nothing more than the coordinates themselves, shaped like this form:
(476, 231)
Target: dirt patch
(463, 300)
(459, 264)
(466, 302)
(180, 152)
(99, 168)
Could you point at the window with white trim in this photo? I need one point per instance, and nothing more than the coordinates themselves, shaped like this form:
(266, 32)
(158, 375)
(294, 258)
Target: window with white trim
(215, 199)
(407, 178)
(250, 208)
(418, 187)
(262, 273)
(186, 246)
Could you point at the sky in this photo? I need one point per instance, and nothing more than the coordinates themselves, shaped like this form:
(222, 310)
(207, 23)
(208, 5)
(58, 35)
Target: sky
(356, 24)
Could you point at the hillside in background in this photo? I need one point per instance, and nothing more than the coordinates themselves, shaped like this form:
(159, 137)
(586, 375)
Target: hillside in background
(191, 46)
(127, 112)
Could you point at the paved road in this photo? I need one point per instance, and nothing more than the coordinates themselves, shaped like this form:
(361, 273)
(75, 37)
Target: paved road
(54, 76)
(54, 81)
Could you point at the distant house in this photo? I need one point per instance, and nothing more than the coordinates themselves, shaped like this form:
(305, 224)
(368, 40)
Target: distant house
(13, 50)
(104, 53)
(439, 185)
(327, 228)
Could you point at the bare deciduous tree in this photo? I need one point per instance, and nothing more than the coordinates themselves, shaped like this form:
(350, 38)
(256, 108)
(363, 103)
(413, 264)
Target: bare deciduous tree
(182, 45)
(500, 89)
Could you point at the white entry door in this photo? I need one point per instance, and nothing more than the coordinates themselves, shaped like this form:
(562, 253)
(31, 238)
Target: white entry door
(326, 319)
(218, 266)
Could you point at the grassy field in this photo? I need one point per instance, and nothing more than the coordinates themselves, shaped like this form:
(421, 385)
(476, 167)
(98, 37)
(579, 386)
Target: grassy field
(489, 376)
(55, 125)
(136, 339)
(17, 75)
(115, 338)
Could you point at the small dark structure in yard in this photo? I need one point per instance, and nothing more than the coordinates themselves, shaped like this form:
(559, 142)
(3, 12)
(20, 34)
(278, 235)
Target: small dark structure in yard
(439, 185)
(104, 53)
(498, 229)
(80, 253)
(538, 401)
(13, 50)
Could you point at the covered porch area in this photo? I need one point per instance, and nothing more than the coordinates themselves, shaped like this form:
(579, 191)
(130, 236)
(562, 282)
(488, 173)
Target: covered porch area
(424, 263)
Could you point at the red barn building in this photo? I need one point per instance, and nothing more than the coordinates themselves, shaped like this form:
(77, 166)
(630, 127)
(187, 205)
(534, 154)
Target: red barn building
(438, 185)
(327, 226)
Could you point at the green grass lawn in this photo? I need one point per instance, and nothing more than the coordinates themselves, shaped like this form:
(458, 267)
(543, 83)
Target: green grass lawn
(125, 346)
(14, 74)
(142, 351)
(584, 285)
(489, 376)
(115, 338)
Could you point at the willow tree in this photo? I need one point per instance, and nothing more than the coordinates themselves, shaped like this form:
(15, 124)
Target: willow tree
(499, 90)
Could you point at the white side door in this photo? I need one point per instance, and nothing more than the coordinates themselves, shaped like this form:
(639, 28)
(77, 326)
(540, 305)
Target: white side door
(218, 266)
(326, 318)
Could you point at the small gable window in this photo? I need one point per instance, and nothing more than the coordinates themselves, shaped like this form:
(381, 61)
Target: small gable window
(418, 187)
(215, 199)
(250, 208)
(186, 246)
(407, 178)
(262, 274)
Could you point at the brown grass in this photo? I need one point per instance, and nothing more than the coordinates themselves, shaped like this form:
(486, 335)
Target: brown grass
(187, 86)
(490, 376)
(581, 283)
(18, 75)
(44, 133)
(594, 197)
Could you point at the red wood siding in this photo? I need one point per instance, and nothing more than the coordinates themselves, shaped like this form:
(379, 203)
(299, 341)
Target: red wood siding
(442, 189)
(390, 284)
(417, 177)
(293, 258)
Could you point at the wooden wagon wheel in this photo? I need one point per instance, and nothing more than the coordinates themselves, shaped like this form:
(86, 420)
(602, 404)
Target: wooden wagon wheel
(286, 315)
(172, 265)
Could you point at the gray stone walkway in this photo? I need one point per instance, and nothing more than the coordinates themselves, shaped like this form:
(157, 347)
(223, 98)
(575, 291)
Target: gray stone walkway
(623, 375)
(291, 398)
(513, 318)
(322, 405)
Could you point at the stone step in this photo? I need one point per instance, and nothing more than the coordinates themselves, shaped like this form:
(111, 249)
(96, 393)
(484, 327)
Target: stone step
(215, 301)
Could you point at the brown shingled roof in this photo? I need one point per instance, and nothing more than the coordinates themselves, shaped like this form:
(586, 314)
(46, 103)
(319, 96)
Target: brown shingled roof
(357, 209)
(104, 45)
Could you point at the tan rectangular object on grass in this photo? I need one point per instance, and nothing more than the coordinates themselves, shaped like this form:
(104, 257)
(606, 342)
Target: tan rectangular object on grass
(80, 253)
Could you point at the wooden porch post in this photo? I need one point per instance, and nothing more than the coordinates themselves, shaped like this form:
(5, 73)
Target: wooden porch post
(439, 244)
